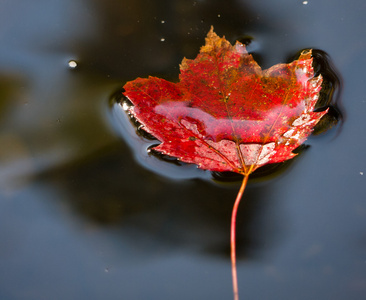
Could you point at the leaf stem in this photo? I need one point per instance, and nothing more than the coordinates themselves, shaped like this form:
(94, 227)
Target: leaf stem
(233, 237)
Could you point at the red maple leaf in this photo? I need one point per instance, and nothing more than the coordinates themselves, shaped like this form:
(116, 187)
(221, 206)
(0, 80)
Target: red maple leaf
(227, 114)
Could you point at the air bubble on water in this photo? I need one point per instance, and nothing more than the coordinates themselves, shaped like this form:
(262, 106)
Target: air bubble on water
(162, 21)
(162, 39)
(73, 64)
(125, 106)
(361, 173)
(219, 16)
(305, 2)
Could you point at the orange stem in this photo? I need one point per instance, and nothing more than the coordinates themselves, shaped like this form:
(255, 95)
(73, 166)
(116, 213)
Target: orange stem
(232, 237)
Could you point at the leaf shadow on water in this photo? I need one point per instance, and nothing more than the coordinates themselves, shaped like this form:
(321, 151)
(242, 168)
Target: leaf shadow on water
(330, 96)
(159, 216)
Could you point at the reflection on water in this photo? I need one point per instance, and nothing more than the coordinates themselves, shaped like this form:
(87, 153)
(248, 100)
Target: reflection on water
(82, 215)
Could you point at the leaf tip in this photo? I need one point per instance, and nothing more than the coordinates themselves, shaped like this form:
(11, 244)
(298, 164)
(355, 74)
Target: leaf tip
(213, 41)
(305, 54)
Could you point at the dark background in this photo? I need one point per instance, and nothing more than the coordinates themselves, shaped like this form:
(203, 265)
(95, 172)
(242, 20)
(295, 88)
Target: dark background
(86, 213)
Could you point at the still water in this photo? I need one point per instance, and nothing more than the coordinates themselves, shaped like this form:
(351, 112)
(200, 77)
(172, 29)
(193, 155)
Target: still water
(86, 213)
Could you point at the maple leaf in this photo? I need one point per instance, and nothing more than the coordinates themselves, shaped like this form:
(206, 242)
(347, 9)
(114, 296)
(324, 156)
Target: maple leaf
(227, 114)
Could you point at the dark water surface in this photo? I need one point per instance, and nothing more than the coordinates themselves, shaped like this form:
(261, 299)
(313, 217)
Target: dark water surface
(85, 213)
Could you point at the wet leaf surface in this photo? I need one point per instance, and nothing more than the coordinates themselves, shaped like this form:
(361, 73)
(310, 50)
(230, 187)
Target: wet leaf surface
(225, 113)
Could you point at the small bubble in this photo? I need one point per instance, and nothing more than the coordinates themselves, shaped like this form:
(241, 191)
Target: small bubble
(73, 64)
(305, 2)
(218, 16)
(162, 21)
(361, 173)
(162, 40)
(125, 106)
(106, 270)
